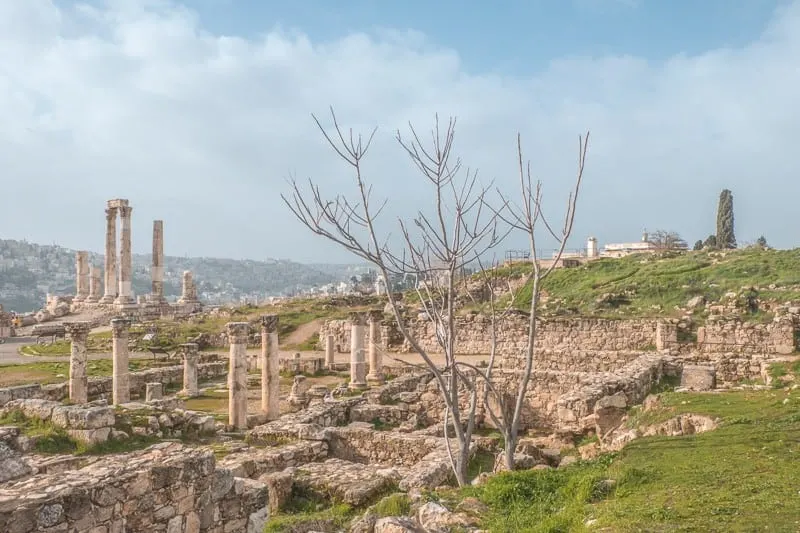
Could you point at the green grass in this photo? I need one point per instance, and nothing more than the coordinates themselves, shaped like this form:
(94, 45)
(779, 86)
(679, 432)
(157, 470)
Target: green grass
(51, 440)
(397, 504)
(306, 507)
(652, 285)
(56, 372)
(740, 477)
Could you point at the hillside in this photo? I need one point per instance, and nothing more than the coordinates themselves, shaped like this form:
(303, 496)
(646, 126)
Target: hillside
(663, 285)
(28, 271)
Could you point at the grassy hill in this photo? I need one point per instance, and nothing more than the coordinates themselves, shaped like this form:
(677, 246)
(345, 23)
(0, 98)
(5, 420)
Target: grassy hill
(654, 285)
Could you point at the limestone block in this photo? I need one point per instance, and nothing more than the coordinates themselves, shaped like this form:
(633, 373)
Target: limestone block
(76, 417)
(698, 378)
(154, 391)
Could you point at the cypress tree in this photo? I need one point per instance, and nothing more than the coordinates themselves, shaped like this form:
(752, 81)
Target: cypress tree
(725, 236)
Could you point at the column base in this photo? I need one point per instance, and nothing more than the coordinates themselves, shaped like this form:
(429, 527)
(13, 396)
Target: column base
(107, 299)
(376, 381)
(91, 300)
(357, 386)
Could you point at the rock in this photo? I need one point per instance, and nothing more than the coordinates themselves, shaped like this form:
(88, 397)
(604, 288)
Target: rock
(521, 462)
(567, 460)
(394, 524)
(473, 507)
(695, 302)
(698, 378)
(651, 403)
(480, 479)
(12, 465)
(435, 518)
(686, 424)
(279, 488)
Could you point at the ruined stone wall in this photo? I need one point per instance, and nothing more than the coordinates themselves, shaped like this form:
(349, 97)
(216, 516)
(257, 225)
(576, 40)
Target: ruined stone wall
(100, 386)
(365, 445)
(165, 488)
(575, 344)
(474, 335)
(732, 335)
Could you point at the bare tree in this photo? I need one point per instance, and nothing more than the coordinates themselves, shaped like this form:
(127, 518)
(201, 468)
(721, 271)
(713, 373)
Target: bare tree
(435, 247)
(667, 240)
(528, 218)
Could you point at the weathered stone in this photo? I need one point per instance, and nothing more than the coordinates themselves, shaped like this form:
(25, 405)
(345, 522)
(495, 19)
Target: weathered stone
(270, 376)
(698, 378)
(237, 378)
(154, 391)
(120, 374)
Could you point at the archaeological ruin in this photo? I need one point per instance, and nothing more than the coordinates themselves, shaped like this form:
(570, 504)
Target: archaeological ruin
(229, 429)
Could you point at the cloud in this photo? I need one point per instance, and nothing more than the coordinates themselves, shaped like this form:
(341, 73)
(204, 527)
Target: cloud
(136, 99)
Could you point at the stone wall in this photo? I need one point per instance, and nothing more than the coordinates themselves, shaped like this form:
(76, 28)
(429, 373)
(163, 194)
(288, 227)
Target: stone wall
(167, 488)
(101, 386)
(569, 344)
(732, 335)
(474, 335)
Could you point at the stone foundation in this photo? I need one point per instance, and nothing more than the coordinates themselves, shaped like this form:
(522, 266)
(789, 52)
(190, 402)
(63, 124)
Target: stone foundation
(167, 487)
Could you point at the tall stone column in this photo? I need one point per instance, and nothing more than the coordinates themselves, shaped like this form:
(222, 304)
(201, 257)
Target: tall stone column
(358, 363)
(78, 382)
(94, 285)
(270, 367)
(125, 258)
(237, 374)
(189, 352)
(157, 269)
(120, 382)
(82, 276)
(330, 352)
(375, 376)
(111, 256)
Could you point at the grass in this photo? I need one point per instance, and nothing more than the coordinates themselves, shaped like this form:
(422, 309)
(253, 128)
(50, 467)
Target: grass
(307, 507)
(56, 372)
(397, 504)
(650, 285)
(740, 477)
(50, 439)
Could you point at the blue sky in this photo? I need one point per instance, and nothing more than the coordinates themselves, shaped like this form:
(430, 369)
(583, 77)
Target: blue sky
(197, 112)
(514, 37)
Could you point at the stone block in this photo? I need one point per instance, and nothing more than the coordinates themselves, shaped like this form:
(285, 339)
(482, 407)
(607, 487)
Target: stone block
(76, 417)
(698, 378)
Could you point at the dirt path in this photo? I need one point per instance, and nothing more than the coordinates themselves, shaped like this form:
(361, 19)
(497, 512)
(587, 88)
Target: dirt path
(303, 332)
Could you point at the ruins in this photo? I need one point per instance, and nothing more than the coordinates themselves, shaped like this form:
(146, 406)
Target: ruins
(221, 442)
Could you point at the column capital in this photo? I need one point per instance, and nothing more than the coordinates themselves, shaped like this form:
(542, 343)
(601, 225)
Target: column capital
(120, 326)
(237, 332)
(189, 348)
(111, 213)
(375, 315)
(78, 330)
(125, 211)
(269, 323)
(357, 318)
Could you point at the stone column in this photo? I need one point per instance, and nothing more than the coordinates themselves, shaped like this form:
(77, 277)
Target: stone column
(157, 269)
(270, 373)
(189, 352)
(78, 382)
(237, 374)
(375, 376)
(120, 383)
(330, 352)
(358, 364)
(94, 285)
(125, 258)
(82, 276)
(111, 256)
(188, 293)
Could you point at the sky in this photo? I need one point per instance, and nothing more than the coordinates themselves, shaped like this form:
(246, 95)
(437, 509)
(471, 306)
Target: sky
(198, 112)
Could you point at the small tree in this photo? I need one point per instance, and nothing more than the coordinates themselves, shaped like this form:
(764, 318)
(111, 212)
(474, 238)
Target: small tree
(529, 219)
(725, 236)
(698, 245)
(710, 242)
(761, 242)
(458, 227)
